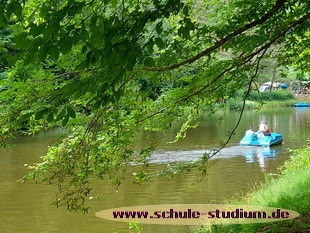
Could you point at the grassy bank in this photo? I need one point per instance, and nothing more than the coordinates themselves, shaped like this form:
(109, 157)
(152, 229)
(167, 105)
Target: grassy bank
(290, 190)
(279, 98)
(237, 104)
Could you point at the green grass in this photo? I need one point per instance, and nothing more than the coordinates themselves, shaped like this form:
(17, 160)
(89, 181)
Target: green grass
(291, 190)
(279, 98)
(236, 104)
(279, 103)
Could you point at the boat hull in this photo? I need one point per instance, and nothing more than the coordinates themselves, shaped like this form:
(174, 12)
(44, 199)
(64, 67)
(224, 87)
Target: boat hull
(254, 140)
(301, 105)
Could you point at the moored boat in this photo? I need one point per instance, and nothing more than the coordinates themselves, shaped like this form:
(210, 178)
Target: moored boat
(254, 140)
(301, 105)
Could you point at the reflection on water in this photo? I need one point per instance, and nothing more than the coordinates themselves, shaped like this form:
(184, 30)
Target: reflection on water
(302, 108)
(261, 155)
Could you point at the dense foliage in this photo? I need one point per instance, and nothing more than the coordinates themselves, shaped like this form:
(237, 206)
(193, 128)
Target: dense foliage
(107, 70)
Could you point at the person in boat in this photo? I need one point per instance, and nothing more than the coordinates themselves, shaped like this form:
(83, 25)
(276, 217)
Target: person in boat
(266, 132)
(250, 131)
(261, 126)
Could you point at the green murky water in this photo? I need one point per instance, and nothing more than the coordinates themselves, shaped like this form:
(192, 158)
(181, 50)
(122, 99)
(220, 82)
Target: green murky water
(26, 207)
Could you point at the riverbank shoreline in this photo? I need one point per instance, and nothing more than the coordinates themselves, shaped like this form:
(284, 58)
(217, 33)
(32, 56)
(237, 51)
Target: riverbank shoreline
(269, 101)
(300, 98)
(288, 190)
(303, 98)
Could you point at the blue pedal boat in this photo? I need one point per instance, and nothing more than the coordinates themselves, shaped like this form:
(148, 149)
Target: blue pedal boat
(254, 140)
(301, 105)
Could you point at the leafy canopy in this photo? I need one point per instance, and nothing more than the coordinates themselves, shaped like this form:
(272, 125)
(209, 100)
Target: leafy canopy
(107, 70)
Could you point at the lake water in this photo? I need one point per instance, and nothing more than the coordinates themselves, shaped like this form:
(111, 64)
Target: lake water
(26, 207)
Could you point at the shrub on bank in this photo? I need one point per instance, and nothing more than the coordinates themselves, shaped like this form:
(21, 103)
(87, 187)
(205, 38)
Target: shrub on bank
(237, 103)
(269, 96)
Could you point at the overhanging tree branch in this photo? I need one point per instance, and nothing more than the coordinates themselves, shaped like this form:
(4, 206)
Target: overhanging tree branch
(221, 42)
(218, 44)
(241, 62)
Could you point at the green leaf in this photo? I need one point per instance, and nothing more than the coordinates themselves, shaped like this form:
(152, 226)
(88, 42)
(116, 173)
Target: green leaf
(61, 114)
(65, 46)
(29, 58)
(75, 39)
(149, 45)
(97, 104)
(72, 88)
(37, 30)
(55, 26)
(42, 53)
(9, 9)
(149, 61)
(71, 112)
(88, 57)
(93, 20)
(3, 21)
(84, 49)
(185, 10)
(25, 117)
(82, 65)
(114, 3)
(186, 33)
(65, 121)
(53, 52)
(48, 32)
(12, 60)
(103, 88)
(117, 95)
(39, 115)
(106, 100)
(84, 34)
(150, 49)
(131, 62)
(189, 24)
(50, 117)
(21, 40)
(159, 42)
(159, 28)
(17, 9)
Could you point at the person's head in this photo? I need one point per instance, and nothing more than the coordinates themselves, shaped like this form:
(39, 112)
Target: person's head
(267, 129)
(262, 122)
(251, 127)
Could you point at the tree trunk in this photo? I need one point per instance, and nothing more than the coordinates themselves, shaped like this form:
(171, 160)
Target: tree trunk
(273, 78)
